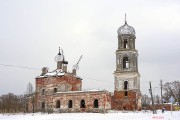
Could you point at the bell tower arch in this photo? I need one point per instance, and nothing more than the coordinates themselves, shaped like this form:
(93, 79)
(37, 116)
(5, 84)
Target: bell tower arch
(126, 75)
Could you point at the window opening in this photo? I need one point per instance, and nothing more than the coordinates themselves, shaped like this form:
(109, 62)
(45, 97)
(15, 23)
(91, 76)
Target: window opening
(43, 91)
(96, 103)
(126, 93)
(55, 90)
(82, 104)
(125, 44)
(70, 104)
(125, 85)
(125, 62)
(58, 104)
(43, 105)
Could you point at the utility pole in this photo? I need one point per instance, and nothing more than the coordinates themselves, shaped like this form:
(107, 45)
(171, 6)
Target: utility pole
(179, 97)
(179, 94)
(150, 91)
(171, 103)
(161, 96)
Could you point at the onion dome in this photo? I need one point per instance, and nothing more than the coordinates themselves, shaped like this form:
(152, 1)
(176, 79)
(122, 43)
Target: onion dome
(126, 30)
(59, 57)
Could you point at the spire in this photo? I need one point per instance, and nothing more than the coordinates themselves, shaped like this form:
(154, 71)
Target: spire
(125, 19)
(63, 60)
(59, 51)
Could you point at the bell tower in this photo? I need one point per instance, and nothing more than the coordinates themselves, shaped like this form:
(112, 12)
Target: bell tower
(126, 77)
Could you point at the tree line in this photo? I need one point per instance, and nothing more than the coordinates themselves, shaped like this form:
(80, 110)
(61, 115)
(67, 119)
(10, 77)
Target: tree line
(11, 103)
(170, 89)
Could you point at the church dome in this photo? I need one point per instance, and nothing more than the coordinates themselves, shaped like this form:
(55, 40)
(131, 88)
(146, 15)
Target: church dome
(126, 29)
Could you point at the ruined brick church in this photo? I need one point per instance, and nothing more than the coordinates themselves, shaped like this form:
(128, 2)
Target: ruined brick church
(61, 91)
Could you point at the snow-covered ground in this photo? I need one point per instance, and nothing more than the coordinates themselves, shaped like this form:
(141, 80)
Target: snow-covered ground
(95, 116)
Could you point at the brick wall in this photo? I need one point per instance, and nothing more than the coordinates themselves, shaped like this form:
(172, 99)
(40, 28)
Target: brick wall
(61, 83)
(122, 102)
(89, 97)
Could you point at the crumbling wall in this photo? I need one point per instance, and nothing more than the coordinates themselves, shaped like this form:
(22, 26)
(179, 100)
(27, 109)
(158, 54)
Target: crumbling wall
(103, 98)
(61, 83)
(122, 102)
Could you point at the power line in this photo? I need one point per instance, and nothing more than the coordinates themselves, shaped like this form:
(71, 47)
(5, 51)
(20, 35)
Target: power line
(19, 66)
(97, 80)
(24, 67)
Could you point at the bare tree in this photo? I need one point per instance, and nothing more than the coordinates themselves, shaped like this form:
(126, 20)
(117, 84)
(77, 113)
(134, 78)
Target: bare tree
(146, 100)
(31, 94)
(157, 99)
(172, 89)
(29, 89)
(11, 103)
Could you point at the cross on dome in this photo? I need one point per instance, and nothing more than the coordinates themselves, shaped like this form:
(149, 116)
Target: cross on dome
(126, 29)
(59, 56)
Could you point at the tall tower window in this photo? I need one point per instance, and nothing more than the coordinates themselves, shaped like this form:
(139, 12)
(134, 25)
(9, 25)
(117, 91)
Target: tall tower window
(125, 62)
(125, 85)
(126, 44)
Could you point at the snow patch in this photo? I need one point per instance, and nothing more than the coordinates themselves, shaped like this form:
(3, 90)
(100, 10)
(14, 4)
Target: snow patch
(113, 115)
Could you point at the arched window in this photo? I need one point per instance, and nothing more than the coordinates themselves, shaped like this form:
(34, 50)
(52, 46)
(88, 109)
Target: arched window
(126, 44)
(125, 62)
(70, 104)
(126, 93)
(43, 105)
(96, 103)
(82, 104)
(55, 90)
(125, 85)
(43, 91)
(58, 104)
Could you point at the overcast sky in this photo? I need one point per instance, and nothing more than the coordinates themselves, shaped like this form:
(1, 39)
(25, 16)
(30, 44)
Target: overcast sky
(32, 30)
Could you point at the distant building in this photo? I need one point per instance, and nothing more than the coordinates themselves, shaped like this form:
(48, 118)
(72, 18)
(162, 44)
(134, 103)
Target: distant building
(61, 91)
